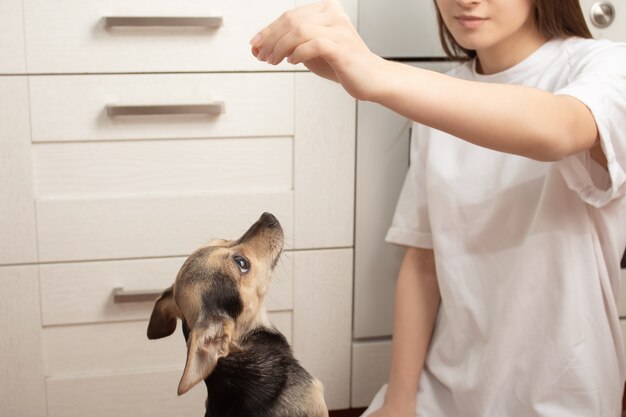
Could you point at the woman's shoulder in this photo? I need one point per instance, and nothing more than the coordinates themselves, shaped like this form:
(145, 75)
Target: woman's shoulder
(596, 53)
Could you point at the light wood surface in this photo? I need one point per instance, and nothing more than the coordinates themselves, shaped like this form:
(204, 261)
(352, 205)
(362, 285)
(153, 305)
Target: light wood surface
(111, 169)
(324, 164)
(21, 360)
(12, 52)
(69, 36)
(75, 351)
(17, 209)
(74, 108)
(118, 228)
(322, 319)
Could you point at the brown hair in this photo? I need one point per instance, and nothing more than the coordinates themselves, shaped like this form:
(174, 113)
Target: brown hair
(554, 18)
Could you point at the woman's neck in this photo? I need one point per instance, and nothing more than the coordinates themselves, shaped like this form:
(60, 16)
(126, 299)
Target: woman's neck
(511, 51)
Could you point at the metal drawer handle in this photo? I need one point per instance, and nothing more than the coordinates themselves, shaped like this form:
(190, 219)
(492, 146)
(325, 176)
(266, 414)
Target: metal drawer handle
(212, 109)
(122, 296)
(212, 22)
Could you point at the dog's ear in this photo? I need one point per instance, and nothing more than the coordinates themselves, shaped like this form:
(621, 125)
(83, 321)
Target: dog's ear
(164, 315)
(209, 340)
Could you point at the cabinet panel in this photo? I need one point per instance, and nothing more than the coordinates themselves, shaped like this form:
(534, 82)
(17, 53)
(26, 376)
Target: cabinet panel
(113, 169)
(370, 369)
(12, 55)
(124, 395)
(119, 228)
(95, 349)
(382, 163)
(76, 108)
(21, 364)
(383, 159)
(71, 36)
(17, 209)
(324, 164)
(322, 319)
(83, 292)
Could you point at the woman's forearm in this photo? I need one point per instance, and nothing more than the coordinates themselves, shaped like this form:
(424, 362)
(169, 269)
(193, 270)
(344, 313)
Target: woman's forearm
(416, 305)
(508, 118)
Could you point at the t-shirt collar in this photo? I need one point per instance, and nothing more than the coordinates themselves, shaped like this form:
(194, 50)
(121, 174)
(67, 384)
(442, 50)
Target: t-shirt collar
(535, 62)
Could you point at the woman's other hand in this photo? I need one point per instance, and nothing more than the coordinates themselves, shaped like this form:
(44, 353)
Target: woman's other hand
(321, 36)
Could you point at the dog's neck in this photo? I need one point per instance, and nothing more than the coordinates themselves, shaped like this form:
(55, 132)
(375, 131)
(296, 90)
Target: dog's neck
(248, 323)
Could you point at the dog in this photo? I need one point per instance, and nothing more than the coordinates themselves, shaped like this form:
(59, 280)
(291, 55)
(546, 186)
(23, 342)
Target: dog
(247, 365)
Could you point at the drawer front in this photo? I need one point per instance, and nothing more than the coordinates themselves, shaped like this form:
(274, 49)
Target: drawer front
(79, 293)
(74, 36)
(118, 187)
(12, 58)
(121, 228)
(98, 349)
(127, 395)
(77, 108)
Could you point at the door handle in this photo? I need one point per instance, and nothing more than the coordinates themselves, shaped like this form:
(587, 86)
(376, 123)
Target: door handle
(211, 109)
(212, 22)
(602, 14)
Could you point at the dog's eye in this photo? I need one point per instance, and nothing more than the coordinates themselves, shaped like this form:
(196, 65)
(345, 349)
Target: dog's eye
(242, 263)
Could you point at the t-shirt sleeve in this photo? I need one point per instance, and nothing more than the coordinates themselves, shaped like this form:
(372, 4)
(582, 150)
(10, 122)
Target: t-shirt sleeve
(410, 225)
(599, 82)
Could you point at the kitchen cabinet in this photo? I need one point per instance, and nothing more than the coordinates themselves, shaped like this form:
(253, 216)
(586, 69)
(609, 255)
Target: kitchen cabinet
(17, 212)
(12, 54)
(22, 389)
(100, 198)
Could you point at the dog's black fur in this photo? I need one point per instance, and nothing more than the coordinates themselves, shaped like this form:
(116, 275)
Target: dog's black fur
(250, 383)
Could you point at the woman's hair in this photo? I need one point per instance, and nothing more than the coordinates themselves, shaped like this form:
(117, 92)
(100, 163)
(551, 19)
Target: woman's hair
(554, 18)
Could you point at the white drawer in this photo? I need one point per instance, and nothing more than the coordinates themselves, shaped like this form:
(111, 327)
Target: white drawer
(152, 226)
(163, 167)
(74, 108)
(124, 395)
(70, 36)
(12, 59)
(83, 292)
(96, 349)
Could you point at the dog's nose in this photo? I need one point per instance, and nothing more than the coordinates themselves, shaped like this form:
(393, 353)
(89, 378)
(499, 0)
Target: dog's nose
(269, 219)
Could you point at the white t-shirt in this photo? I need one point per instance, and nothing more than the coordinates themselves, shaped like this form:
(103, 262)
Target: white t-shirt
(527, 254)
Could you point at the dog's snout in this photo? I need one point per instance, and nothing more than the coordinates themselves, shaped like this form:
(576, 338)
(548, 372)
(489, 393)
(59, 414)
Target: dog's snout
(269, 220)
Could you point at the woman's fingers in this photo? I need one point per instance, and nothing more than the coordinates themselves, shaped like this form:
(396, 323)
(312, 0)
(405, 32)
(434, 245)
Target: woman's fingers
(299, 35)
(277, 40)
(315, 48)
(275, 29)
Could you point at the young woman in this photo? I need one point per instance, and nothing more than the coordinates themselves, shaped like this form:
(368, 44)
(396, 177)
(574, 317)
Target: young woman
(512, 213)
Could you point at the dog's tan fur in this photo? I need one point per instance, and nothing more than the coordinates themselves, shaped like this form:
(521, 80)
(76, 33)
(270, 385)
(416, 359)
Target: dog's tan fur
(214, 334)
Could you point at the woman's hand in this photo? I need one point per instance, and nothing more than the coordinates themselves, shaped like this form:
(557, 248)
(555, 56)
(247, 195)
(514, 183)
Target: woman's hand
(321, 36)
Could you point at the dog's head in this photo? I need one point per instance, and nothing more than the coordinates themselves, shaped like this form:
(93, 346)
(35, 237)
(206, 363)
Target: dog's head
(218, 294)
